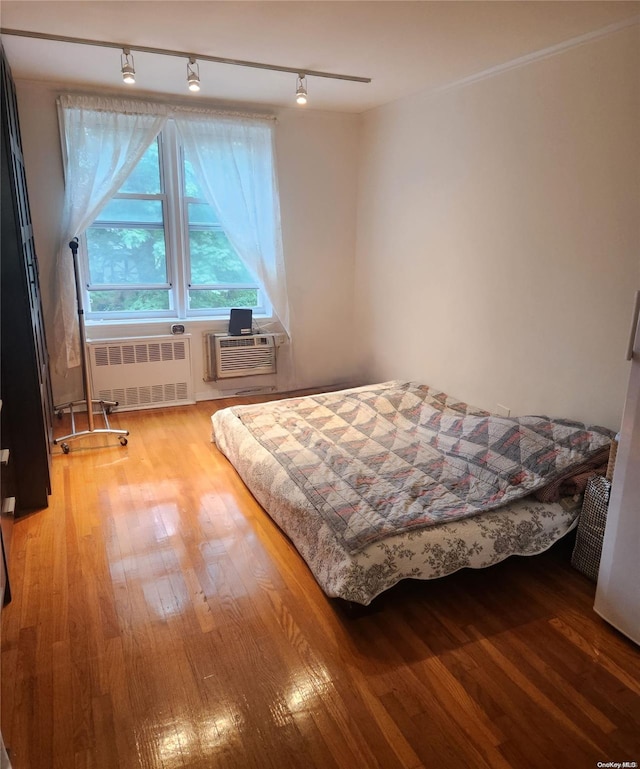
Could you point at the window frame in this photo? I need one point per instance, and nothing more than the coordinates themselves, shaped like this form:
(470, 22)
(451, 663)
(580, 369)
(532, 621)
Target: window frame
(175, 226)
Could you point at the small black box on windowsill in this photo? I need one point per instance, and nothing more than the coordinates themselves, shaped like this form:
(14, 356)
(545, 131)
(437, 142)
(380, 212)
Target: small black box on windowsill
(240, 322)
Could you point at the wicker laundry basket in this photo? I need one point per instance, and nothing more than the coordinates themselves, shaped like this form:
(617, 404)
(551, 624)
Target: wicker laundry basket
(590, 534)
(612, 459)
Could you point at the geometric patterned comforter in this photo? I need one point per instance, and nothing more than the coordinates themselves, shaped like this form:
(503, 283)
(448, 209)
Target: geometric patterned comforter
(395, 457)
(524, 527)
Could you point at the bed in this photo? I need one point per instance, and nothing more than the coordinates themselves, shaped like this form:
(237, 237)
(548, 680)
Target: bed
(382, 483)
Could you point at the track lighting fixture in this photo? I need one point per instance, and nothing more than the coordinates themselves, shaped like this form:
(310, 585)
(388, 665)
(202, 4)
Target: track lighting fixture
(193, 68)
(193, 75)
(128, 71)
(301, 89)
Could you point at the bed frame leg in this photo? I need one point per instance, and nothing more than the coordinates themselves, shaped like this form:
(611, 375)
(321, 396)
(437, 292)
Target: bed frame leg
(353, 610)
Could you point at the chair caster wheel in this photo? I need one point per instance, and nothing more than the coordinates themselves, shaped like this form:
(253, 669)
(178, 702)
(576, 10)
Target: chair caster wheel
(65, 448)
(123, 441)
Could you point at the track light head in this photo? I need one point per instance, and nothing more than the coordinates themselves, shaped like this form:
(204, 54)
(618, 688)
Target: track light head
(128, 71)
(193, 75)
(301, 89)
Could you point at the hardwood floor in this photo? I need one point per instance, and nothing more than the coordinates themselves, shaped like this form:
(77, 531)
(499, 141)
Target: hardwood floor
(160, 619)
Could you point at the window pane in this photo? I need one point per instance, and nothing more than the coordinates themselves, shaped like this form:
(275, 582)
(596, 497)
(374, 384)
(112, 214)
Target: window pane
(204, 299)
(213, 260)
(145, 177)
(128, 301)
(202, 213)
(121, 210)
(126, 255)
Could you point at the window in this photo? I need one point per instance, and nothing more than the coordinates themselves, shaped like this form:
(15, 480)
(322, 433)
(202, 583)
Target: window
(218, 279)
(157, 248)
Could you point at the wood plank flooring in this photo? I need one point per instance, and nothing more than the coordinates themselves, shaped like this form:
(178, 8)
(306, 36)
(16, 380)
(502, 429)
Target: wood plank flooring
(161, 620)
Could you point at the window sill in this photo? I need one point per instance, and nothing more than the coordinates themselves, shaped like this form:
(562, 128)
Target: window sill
(116, 329)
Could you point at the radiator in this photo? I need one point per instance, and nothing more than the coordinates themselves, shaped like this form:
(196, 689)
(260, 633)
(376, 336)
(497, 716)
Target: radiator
(148, 372)
(237, 356)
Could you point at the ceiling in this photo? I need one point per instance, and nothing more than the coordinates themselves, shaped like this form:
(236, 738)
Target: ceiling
(404, 47)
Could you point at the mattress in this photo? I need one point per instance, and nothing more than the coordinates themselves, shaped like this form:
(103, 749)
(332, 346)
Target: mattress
(521, 527)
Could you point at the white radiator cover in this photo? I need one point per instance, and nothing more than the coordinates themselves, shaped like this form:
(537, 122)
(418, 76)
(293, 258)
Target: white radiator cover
(239, 356)
(146, 372)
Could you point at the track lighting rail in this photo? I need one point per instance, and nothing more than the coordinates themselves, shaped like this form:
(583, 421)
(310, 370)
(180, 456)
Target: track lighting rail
(182, 54)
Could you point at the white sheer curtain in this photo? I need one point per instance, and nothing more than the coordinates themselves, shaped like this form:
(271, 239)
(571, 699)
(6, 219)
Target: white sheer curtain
(103, 139)
(234, 161)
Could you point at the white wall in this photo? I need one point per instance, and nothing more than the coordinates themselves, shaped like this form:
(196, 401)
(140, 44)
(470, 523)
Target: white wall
(317, 165)
(499, 234)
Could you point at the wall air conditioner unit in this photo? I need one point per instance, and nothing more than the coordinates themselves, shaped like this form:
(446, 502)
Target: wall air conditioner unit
(235, 356)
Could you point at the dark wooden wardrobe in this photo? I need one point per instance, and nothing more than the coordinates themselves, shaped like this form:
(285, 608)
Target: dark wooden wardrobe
(27, 407)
